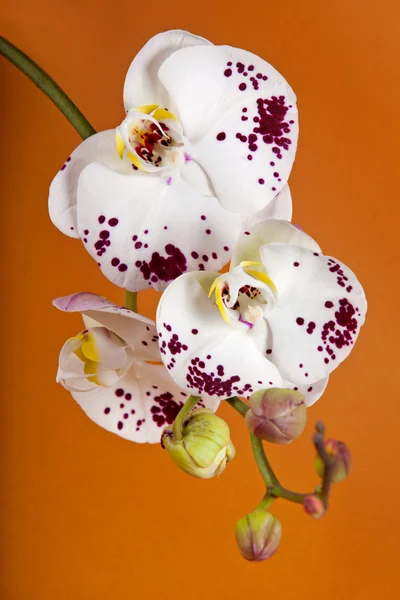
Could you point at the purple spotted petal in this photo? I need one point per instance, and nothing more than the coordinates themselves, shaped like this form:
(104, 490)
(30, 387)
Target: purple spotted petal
(145, 232)
(203, 354)
(240, 117)
(62, 195)
(139, 406)
(320, 309)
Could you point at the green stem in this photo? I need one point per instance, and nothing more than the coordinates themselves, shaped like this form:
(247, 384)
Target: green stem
(181, 416)
(266, 502)
(45, 83)
(274, 488)
(277, 491)
(264, 467)
(131, 300)
(240, 406)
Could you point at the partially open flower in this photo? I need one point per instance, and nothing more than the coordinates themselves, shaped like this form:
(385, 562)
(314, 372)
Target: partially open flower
(340, 452)
(203, 446)
(113, 370)
(258, 535)
(277, 415)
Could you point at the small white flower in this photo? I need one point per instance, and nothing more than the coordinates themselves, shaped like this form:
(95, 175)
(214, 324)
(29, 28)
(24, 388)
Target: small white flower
(203, 153)
(114, 372)
(284, 316)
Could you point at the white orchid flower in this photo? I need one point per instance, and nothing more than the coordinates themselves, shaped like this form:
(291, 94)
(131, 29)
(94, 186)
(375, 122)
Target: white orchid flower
(114, 372)
(284, 316)
(207, 144)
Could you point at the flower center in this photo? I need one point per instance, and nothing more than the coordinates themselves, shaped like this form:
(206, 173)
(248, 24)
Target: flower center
(105, 356)
(152, 139)
(244, 295)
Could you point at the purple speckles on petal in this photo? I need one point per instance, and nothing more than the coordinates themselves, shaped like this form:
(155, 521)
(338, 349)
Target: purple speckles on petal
(160, 268)
(113, 222)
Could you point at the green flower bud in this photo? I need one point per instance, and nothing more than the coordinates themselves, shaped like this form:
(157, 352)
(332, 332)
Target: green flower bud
(205, 446)
(340, 452)
(277, 415)
(258, 535)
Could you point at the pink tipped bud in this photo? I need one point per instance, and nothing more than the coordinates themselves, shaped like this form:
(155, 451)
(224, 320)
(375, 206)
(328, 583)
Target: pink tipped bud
(258, 535)
(340, 452)
(277, 415)
(314, 506)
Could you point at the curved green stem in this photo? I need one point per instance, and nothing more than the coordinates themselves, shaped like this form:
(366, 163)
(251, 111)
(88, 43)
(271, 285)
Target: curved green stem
(277, 491)
(181, 416)
(264, 467)
(131, 300)
(45, 83)
(274, 488)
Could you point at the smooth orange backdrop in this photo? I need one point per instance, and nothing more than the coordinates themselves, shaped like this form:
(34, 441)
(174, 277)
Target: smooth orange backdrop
(88, 516)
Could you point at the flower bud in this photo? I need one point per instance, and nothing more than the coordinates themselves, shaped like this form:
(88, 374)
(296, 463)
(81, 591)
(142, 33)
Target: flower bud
(258, 535)
(340, 452)
(205, 447)
(314, 506)
(277, 415)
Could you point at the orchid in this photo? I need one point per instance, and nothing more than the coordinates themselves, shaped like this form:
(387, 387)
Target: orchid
(207, 144)
(194, 176)
(284, 316)
(114, 372)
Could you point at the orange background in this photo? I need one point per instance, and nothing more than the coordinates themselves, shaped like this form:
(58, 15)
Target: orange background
(88, 516)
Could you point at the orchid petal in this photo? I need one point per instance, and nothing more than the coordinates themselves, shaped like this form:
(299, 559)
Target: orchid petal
(136, 330)
(138, 406)
(267, 232)
(143, 231)
(217, 105)
(142, 85)
(311, 392)
(205, 355)
(320, 308)
(62, 196)
(280, 207)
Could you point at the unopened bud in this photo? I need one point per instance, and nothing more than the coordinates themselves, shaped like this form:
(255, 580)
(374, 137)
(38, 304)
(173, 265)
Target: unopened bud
(258, 535)
(341, 454)
(277, 415)
(205, 446)
(314, 506)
